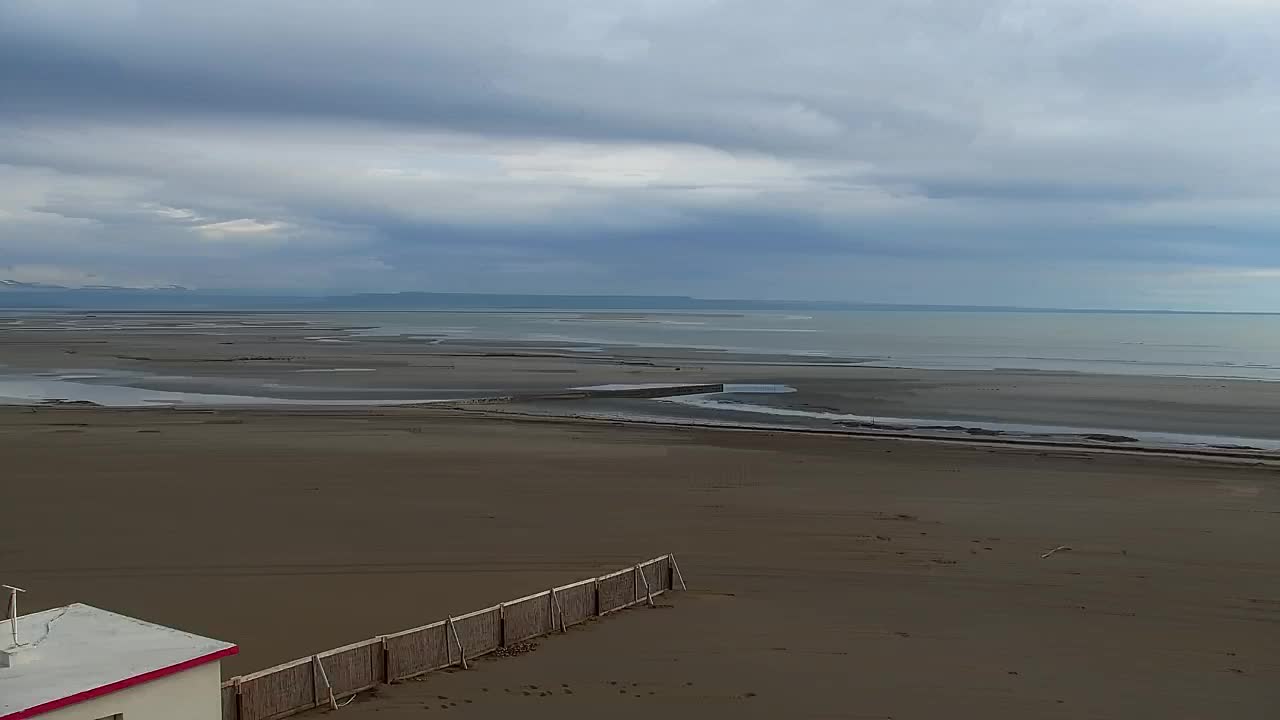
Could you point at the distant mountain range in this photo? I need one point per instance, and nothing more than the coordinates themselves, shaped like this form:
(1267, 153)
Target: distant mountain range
(14, 285)
(36, 296)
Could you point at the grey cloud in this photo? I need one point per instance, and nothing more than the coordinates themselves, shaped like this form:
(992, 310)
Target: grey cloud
(1036, 190)
(722, 77)
(142, 71)
(411, 139)
(1185, 65)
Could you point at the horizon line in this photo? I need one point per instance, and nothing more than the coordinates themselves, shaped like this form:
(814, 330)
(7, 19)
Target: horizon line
(337, 295)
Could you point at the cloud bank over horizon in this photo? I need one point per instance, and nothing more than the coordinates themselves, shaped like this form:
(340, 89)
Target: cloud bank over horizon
(1085, 153)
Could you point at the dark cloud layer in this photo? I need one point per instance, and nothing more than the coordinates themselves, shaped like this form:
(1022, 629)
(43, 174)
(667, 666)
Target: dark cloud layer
(1018, 151)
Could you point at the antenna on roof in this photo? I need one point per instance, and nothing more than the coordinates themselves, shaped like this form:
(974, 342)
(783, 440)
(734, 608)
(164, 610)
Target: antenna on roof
(13, 610)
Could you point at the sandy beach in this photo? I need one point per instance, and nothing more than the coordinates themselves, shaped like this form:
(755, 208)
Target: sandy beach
(831, 576)
(936, 342)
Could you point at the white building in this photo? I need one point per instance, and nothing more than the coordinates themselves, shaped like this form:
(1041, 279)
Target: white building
(81, 663)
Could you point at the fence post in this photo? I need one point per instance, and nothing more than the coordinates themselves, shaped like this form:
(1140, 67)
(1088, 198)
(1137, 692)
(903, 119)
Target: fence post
(648, 592)
(462, 653)
(502, 624)
(318, 674)
(239, 698)
(384, 660)
(597, 585)
(315, 683)
(557, 610)
(635, 583)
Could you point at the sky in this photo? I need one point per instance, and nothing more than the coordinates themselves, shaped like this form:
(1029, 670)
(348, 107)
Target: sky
(1067, 153)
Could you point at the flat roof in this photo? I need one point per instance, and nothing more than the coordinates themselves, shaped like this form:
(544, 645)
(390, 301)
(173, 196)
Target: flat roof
(75, 653)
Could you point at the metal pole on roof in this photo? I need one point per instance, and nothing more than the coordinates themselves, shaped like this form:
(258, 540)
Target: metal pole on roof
(13, 610)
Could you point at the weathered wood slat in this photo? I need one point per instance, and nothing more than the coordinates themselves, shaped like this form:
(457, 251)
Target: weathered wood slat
(306, 683)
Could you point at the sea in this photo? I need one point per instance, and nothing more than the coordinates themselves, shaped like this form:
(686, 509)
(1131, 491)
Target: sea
(1237, 346)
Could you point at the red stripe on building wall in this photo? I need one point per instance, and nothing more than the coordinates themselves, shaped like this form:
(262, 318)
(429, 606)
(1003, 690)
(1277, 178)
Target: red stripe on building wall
(120, 685)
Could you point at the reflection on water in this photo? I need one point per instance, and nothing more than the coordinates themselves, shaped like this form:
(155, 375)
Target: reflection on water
(33, 390)
(1150, 344)
(757, 389)
(1170, 345)
(720, 402)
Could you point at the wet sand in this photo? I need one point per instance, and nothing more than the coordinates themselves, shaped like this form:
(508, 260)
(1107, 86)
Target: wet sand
(318, 358)
(831, 576)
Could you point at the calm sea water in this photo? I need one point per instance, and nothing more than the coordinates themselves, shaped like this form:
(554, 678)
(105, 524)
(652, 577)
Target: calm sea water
(1219, 346)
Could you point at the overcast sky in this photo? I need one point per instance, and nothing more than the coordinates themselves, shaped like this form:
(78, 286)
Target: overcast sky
(1087, 153)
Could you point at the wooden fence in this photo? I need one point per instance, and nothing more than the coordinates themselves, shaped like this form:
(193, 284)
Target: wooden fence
(324, 679)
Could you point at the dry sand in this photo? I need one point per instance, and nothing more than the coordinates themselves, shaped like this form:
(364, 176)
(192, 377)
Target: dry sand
(831, 577)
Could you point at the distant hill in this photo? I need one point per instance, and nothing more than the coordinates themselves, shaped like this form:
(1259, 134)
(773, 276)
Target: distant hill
(30, 296)
(15, 285)
(488, 301)
(33, 296)
(37, 296)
